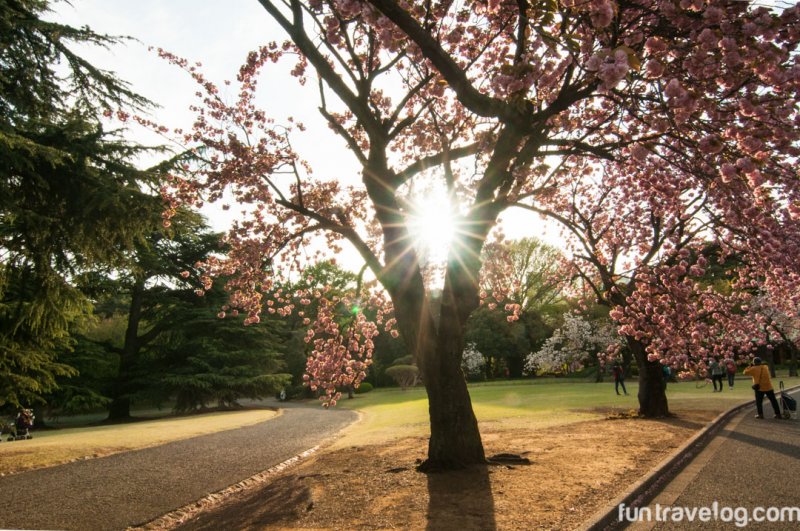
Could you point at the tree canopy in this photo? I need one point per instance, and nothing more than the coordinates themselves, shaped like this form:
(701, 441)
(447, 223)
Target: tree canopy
(507, 103)
(69, 195)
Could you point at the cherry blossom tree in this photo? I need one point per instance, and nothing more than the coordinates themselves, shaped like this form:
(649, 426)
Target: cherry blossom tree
(504, 102)
(531, 273)
(652, 262)
(781, 326)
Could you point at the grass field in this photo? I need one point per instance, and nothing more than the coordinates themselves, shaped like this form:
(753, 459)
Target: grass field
(392, 413)
(387, 414)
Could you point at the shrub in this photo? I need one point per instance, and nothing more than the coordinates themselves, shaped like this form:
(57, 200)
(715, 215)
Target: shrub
(406, 376)
(404, 360)
(365, 387)
(295, 392)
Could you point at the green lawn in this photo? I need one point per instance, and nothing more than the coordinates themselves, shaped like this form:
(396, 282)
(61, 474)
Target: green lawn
(392, 413)
(386, 414)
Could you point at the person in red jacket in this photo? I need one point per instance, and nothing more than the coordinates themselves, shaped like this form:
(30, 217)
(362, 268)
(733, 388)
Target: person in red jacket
(730, 368)
(762, 385)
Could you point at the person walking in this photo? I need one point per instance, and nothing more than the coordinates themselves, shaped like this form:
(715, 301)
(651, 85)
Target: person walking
(619, 378)
(717, 373)
(762, 385)
(730, 368)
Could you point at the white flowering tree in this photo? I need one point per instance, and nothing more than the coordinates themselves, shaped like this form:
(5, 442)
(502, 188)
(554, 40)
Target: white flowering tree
(472, 361)
(571, 345)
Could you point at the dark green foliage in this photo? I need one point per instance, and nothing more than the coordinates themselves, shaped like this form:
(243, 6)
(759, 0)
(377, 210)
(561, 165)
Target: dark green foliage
(164, 342)
(297, 391)
(69, 198)
(365, 387)
(503, 344)
(32, 85)
(151, 291)
(33, 328)
(211, 360)
(88, 390)
(404, 360)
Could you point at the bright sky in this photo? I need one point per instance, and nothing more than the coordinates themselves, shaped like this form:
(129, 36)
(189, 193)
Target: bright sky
(219, 35)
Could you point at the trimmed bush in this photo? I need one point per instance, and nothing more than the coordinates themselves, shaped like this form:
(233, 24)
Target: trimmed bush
(404, 360)
(295, 392)
(406, 376)
(365, 387)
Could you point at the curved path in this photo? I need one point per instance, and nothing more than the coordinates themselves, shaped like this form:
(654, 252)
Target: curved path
(752, 463)
(724, 477)
(134, 487)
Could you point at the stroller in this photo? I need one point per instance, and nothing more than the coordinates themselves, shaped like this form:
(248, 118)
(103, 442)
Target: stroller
(19, 428)
(788, 404)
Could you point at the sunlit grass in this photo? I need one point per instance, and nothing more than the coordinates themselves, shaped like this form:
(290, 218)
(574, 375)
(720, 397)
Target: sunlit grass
(49, 447)
(391, 413)
(387, 414)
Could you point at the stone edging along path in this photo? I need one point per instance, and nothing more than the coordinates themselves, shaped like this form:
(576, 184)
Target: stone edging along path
(180, 515)
(647, 487)
(604, 519)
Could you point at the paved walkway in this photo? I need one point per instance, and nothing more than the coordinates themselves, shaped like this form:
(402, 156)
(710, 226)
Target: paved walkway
(750, 463)
(134, 487)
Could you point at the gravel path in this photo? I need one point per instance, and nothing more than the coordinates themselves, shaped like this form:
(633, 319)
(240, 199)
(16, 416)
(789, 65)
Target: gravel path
(751, 463)
(134, 487)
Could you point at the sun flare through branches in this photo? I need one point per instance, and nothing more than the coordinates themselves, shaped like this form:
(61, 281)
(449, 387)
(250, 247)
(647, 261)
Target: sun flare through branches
(432, 226)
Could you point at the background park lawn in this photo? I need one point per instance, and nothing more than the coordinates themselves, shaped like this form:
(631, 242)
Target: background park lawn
(394, 413)
(567, 428)
(387, 414)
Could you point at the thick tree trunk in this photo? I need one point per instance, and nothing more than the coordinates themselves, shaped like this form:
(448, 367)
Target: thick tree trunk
(120, 407)
(792, 359)
(769, 357)
(438, 343)
(455, 439)
(652, 391)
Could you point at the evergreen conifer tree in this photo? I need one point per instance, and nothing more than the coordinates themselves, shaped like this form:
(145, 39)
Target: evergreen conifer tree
(69, 196)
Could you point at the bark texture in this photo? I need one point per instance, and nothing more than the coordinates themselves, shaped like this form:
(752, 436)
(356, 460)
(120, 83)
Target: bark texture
(652, 391)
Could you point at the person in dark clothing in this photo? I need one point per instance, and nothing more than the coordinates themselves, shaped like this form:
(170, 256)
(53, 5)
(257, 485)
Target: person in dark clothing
(666, 372)
(730, 368)
(619, 378)
(717, 373)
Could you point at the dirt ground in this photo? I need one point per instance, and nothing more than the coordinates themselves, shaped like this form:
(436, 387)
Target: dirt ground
(574, 470)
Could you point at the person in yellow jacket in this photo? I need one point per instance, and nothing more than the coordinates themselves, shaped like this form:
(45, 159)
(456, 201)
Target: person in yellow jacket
(762, 385)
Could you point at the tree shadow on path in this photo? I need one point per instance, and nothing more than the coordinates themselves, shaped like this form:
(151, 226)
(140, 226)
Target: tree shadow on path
(762, 440)
(461, 500)
(280, 501)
